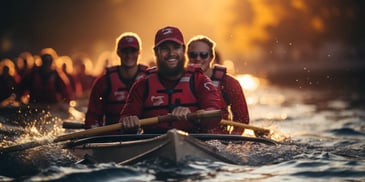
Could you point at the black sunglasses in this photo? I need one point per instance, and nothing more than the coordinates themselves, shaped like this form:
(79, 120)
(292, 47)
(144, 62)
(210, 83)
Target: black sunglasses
(194, 55)
(128, 50)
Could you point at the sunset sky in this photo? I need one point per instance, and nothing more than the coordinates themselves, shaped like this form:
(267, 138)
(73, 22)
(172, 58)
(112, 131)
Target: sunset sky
(248, 32)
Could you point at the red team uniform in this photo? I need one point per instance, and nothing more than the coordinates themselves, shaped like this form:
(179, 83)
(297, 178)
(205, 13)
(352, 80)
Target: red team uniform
(108, 99)
(149, 100)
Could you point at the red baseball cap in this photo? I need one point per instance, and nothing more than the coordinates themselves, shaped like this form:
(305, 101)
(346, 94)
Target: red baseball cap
(128, 41)
(168, 33)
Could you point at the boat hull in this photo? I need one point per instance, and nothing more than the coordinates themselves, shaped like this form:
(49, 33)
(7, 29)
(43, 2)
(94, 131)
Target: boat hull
(175, 146)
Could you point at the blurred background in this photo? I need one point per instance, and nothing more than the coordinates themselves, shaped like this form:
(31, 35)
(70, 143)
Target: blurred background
(304, 43)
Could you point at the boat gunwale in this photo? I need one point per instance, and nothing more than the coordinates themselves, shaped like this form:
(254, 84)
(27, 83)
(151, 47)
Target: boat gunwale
(100, 144)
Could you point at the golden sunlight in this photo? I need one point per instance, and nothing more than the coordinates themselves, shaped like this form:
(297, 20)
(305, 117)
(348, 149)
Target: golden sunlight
(25, 59)
(64, 60)
(248, 82)
(37, 60)
(248, 133)
(105, 59)
(76, 114)
(88, 66)
(317, 24)
(8, 63)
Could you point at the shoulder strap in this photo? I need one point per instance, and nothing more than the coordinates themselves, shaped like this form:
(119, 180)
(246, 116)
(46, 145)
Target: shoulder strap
(219, 72)
(152, 69)
(108, 89)
(142, 67)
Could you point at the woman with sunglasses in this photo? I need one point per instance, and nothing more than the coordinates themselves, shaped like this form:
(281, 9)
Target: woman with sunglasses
(201, 51)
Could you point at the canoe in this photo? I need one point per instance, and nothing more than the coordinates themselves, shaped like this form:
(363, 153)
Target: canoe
(175, 146)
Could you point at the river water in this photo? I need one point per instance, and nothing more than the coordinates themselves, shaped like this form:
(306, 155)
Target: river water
(321, 130)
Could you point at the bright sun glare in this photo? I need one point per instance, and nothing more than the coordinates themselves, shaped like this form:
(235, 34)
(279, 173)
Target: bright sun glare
(248, 82)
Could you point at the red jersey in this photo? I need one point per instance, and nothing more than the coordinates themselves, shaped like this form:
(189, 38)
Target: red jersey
(233, 96)
(153, 96)
(108, 96)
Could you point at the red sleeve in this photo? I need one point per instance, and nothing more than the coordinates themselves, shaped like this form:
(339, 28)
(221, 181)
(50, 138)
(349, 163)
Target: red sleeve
(95, 110)
(207, 94)
(134, 104)
(209, 99)
(236, 99)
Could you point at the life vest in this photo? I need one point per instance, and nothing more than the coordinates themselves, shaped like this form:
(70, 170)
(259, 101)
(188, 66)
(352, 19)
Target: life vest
(159, 100)
(218, 76)
(219, 72)
(117, 92)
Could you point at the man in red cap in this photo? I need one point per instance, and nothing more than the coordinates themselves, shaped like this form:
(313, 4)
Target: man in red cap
(171, 89)
(110, 90)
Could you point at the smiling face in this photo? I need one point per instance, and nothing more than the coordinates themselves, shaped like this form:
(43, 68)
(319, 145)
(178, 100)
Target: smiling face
(128, 48)
(170, 58)
(129, 56)
(200, 53)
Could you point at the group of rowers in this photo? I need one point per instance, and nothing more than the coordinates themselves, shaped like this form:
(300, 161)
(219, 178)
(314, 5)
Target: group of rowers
(132, 91)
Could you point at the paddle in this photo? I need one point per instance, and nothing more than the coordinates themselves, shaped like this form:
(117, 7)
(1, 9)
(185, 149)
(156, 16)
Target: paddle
(104, 129)
(67, 124)
(258, 131)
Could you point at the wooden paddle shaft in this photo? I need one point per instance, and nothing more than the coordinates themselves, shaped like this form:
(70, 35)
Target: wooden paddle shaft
(148, 121)
(104, 129)
(201, 114)
(100, 130)
(243, 125)
(73, 125)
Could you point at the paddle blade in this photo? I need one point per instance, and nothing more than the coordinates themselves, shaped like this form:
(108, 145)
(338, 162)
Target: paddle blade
(72, 125)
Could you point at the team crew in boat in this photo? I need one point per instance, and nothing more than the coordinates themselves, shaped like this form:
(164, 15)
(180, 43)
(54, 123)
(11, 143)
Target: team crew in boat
(171, 88)
(44, 84)
(201, 51)
(110, 91)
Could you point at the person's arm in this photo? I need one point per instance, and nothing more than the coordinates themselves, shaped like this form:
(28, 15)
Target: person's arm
(132, 110)
(209, 99)
(207, 95)
(236, 99)
(95, 109)
(134, 103)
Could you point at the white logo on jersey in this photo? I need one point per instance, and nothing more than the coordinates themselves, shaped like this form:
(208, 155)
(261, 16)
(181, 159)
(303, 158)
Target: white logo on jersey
(208, 85)
(157, 100)
(120, 95)
(185, 79)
